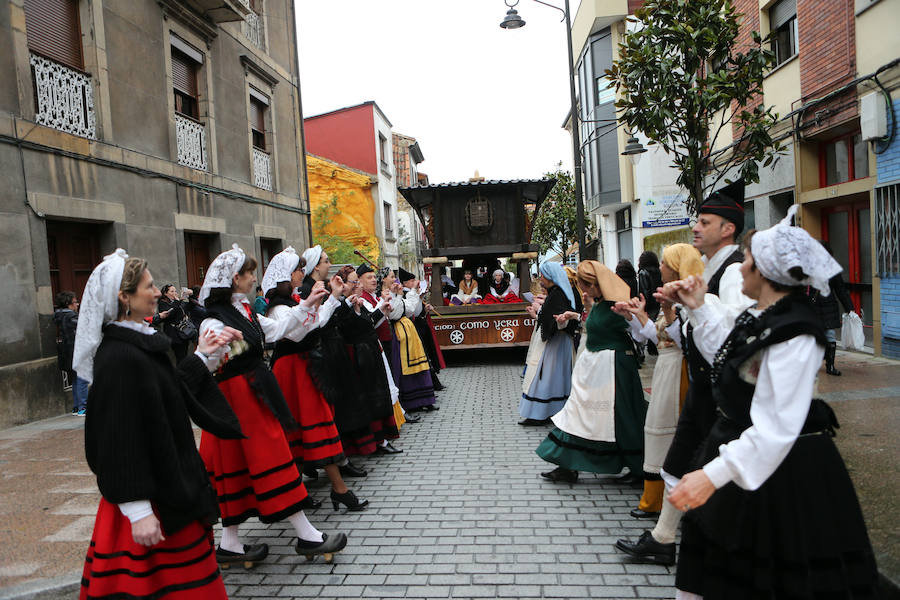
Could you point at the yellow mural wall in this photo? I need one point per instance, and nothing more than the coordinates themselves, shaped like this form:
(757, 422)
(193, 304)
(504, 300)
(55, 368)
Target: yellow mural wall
(354, 219)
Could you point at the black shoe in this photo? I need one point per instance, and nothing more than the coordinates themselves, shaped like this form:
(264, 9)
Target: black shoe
(310, 503)
(436, 383)
(251, 555)
(311, 472)
(411, 419)
(349, 500)
(351, 470)
(560, 474)
(388, 449)
(431, 408)
(643, 514)
(830, 352)
(534, 422)
(327, 547)
(628, 479)
(649, 550)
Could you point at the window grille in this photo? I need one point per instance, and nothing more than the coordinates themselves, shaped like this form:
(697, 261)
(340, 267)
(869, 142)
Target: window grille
(887, 230)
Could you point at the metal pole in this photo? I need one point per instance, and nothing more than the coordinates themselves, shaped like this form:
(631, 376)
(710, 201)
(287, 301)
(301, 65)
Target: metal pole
(576, 140)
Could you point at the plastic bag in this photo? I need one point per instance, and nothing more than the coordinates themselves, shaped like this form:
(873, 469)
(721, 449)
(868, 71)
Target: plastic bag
(852, 337)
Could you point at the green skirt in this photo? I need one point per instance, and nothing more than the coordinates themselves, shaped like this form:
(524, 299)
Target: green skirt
(578, 454)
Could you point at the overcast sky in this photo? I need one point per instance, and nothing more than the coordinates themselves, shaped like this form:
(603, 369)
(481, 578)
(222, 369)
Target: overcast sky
(475, 96)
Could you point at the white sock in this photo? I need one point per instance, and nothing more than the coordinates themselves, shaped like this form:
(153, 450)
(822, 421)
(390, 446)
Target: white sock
(344, 462)
(667, 525)
(384, 443)
(305, 530)
(230, 540)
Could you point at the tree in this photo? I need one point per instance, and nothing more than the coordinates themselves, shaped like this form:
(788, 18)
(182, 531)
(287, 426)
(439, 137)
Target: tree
(554, 229)
(682, 83)
(340, 250)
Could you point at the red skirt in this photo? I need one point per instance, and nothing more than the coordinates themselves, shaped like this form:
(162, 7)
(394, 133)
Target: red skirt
(256, 476)
(509, 298)
(317, 442)
(183, 566)
(366, 440)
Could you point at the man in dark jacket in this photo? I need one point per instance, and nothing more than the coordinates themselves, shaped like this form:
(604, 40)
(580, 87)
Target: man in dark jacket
(830, 314)
(65, 316)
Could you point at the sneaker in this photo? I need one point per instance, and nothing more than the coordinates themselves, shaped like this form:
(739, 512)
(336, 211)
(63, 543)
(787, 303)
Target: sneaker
(81, 412)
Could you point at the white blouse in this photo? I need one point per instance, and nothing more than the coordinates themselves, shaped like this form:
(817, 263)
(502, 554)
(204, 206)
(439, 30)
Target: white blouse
(785, 377)
(643, 333)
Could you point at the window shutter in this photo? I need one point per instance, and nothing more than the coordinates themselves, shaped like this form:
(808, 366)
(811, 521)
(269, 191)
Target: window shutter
(53, 30)
(782, 12)
(184, 74)
(257, 116)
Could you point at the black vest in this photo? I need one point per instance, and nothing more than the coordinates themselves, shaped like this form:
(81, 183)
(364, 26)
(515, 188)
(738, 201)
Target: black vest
(788, 318)
(251, 363)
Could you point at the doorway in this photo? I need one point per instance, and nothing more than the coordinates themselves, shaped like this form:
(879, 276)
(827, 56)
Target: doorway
(197, 250)
(73, 250)
(847, 229)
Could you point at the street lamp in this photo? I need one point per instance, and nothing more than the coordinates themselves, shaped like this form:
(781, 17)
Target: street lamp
(514, 21)
(633, 149)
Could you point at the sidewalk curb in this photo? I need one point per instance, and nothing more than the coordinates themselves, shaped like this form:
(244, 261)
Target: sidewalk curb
(52, 588)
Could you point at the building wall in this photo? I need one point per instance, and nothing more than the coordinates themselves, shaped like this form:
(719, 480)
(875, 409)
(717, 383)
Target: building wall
(387, 188)
(889, 175)
(346, 136)
(125, 188)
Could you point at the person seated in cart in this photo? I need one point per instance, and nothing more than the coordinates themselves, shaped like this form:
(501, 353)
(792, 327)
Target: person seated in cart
(501, 291)
(468, 290)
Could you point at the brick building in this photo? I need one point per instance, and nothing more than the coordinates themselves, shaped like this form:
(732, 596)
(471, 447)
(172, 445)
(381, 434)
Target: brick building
(171, 128)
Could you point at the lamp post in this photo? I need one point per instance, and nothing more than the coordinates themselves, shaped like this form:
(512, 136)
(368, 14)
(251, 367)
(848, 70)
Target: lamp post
(514, 21)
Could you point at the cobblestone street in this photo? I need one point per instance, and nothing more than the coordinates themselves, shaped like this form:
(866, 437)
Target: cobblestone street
(462, 513)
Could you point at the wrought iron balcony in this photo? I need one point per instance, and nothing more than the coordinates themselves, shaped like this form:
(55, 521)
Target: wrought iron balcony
(262, 169)
(191, 139)
(65, 97)
(252, 29)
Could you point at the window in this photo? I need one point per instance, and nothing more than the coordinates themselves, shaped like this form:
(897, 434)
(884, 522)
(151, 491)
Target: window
(258, 122)
(783, 24)
(843, 159)
(53, 30)
(184, 83)
(887, 230)
(388, 217)
(383, 152)
(605, 93)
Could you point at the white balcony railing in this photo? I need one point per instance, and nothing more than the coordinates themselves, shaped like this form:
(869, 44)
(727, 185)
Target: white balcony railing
(262, 170)
(65, 97)
(252, 29)
(191, 138)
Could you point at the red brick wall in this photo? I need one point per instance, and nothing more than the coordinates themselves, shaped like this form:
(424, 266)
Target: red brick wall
(749, 22)
(633, 5)
(827, 47)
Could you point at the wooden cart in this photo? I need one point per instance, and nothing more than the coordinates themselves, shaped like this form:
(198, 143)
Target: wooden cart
(480, 222)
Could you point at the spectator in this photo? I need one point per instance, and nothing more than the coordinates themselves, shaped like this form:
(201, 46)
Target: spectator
(65, 315)
(625, 270)
(196, 312)
(171, 313)
(649, 278)
(260, 305)
(828, 310)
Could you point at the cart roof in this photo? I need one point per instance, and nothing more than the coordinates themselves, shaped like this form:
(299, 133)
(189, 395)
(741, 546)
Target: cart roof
(532, 190)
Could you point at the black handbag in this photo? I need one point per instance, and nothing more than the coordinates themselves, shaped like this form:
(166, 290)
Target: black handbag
(186, 330)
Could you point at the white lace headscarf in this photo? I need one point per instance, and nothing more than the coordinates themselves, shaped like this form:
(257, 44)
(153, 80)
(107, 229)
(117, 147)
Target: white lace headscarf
(99, 306)
(780, 248)
(222, 271)
(312, 256)
(280, 269)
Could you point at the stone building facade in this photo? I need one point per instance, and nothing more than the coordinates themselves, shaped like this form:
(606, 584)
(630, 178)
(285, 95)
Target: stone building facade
(170, 128)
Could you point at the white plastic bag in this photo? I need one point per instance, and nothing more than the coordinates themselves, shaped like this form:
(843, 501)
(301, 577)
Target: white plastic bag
(852, 337)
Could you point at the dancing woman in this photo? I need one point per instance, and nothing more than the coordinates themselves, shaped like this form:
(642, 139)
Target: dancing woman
(256, 476)
(153, 532)
(751, 530)
(549, 380)
(600, 428)
(316, 443)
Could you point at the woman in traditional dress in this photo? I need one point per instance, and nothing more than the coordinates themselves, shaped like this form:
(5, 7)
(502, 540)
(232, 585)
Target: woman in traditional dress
(600, 428)
(501, 292)
(256, 476)
(153, 532)
(409, 361)
(751, 530)
(316, 443)
(367, 359)
(669, 384)
(548, 382)
(468, 290)
(370, 294)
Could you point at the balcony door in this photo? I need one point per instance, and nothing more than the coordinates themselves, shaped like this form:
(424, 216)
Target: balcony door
(197, 250)
(73, 250)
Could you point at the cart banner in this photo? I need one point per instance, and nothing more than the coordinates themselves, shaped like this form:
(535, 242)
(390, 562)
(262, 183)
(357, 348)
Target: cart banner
(483, 331)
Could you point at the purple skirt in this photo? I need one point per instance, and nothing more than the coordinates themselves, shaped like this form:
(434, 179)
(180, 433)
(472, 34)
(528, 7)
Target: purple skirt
(416, 390)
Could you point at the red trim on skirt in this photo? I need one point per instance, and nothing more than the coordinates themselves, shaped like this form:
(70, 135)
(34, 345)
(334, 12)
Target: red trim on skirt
(256, 476)
(181, 567)
(317, 443)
